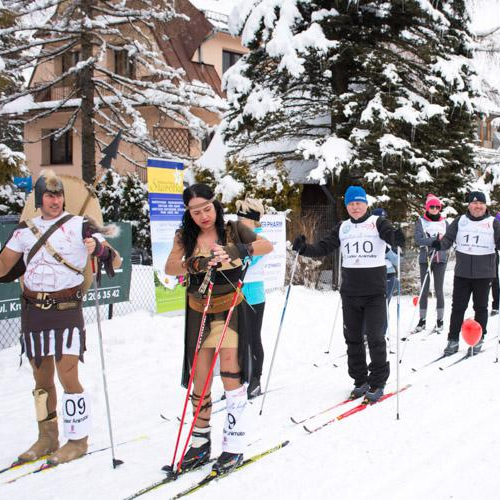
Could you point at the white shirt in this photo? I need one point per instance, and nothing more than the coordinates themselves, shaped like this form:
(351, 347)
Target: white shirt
(44, 273)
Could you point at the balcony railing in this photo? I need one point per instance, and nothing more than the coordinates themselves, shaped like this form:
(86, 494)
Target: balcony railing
(60, 92)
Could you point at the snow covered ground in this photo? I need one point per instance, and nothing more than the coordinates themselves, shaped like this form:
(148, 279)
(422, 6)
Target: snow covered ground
(445, 445)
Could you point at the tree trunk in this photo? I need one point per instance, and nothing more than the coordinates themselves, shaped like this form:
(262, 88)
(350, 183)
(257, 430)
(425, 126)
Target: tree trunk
(86, 91)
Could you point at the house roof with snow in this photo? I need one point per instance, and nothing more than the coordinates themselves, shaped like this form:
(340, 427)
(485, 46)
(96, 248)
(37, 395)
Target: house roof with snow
(180, 39)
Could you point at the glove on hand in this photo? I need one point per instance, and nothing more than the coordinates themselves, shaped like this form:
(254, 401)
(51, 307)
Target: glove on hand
(299, 244)
(436, 244)
(399, 238)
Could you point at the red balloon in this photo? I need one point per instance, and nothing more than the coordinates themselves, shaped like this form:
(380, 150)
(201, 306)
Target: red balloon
(415, 301)
(471, 331)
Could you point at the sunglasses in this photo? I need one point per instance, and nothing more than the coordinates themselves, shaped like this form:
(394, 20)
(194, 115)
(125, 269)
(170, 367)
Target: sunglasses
(435, 206)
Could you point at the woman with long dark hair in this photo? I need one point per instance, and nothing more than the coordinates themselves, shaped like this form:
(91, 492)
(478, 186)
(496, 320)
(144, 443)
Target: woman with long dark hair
(204, 242)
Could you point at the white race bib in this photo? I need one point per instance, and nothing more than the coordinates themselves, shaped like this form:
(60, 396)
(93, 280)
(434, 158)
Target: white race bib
(433, 228)
(475, 237)
(76, 415)
(361, 244)
(234, 434)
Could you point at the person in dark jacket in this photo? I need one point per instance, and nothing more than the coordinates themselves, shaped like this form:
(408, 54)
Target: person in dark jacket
(476, 235)
(427, 228)
(363, 239)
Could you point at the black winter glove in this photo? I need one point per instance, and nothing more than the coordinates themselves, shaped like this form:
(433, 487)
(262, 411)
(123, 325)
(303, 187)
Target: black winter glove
(436, 244)
(399, 238)
(299, 244)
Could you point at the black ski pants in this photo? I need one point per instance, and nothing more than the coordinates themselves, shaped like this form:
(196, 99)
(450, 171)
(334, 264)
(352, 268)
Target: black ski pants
(366, 312)
(254, 318)
(462, 290)
(495, 292)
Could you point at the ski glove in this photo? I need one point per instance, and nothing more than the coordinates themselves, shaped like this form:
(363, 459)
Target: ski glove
(299, 244)
(399, 238)
(105, 256)
(436, 244)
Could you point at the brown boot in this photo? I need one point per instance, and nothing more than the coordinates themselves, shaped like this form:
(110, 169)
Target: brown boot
(73, 449)
(48, 441)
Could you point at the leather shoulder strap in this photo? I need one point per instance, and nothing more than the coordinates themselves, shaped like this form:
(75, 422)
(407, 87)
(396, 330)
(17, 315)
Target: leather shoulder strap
(43, 241)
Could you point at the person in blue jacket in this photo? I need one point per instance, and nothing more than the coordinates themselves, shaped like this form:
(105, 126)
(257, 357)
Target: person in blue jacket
(249, 212)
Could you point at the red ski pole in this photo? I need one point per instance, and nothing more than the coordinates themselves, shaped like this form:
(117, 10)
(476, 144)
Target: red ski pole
(195, 360)
(214, 360)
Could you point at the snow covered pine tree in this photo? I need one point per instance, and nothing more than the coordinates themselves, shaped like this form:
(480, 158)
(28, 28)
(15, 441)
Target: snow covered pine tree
(371, 89)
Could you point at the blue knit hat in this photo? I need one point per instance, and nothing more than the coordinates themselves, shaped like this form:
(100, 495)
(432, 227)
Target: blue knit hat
(355, 193)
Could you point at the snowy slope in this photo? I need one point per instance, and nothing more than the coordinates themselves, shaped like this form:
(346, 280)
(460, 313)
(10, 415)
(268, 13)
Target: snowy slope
(445, 445)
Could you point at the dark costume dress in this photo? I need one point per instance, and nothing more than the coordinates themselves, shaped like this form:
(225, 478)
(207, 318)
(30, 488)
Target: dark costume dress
(236, 233)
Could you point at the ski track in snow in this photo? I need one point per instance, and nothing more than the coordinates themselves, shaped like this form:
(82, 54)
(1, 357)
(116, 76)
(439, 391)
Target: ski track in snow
(444, 446)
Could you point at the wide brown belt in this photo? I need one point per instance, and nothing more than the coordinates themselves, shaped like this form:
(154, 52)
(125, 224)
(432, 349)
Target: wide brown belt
(69, 298)
(217, 304)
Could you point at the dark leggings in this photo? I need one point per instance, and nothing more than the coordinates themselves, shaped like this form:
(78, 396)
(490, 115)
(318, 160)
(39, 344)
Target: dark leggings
(437, 269)
(255, 327)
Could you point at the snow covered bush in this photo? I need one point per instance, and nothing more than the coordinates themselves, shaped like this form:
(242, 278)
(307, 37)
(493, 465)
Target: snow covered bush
(11, 200)
(135, 209)
(125, 198)
(239, 180)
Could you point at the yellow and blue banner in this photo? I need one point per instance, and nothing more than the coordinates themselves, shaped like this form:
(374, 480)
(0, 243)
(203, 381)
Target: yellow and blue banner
(165, 186)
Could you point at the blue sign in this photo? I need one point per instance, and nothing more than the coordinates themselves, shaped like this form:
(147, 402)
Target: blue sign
(24, 183)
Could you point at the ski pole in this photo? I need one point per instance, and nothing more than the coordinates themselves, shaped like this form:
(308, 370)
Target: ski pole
(398, 316)
(418, 300)
(294, 266)
(116, 462)
(214, 360)
(338, 305)
(210, 275)
(427, 273)
(498, 318)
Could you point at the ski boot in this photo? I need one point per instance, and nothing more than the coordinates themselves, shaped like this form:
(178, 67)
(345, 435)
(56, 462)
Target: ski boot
(420, 326)
(198, 453)
(373, 395)
(451, 347)
(472, 351)
(46, 443)
(439, 326)
(227, 462)
(73, 449)
(48, 432)
(254, 390)
(359, 390)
